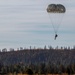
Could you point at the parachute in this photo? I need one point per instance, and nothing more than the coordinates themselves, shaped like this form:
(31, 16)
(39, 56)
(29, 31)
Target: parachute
(56, 8)
(56, 13)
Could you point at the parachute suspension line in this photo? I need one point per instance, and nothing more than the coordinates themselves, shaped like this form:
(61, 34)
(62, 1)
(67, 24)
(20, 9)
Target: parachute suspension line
(59, 23)
(56, 28)
(53, 25)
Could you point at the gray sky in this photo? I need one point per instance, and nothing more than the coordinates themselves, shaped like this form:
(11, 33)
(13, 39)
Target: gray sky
(26, 22)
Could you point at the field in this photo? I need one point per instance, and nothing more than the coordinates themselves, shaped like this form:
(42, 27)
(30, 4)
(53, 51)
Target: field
(42, 74)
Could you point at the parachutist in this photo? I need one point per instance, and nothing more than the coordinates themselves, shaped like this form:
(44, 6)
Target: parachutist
(56, 36)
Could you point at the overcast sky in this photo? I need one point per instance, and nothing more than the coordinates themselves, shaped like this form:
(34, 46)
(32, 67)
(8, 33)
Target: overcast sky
(25, 23)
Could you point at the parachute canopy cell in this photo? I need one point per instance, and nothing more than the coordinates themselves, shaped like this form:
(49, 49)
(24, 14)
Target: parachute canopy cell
(56, 8)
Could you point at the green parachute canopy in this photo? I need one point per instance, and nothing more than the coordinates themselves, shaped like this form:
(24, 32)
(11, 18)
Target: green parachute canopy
(56, 8)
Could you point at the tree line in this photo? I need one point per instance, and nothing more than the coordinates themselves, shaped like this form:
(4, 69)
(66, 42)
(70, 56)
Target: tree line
(45, 47)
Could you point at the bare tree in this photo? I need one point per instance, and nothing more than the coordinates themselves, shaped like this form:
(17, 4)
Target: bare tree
(4, 50)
